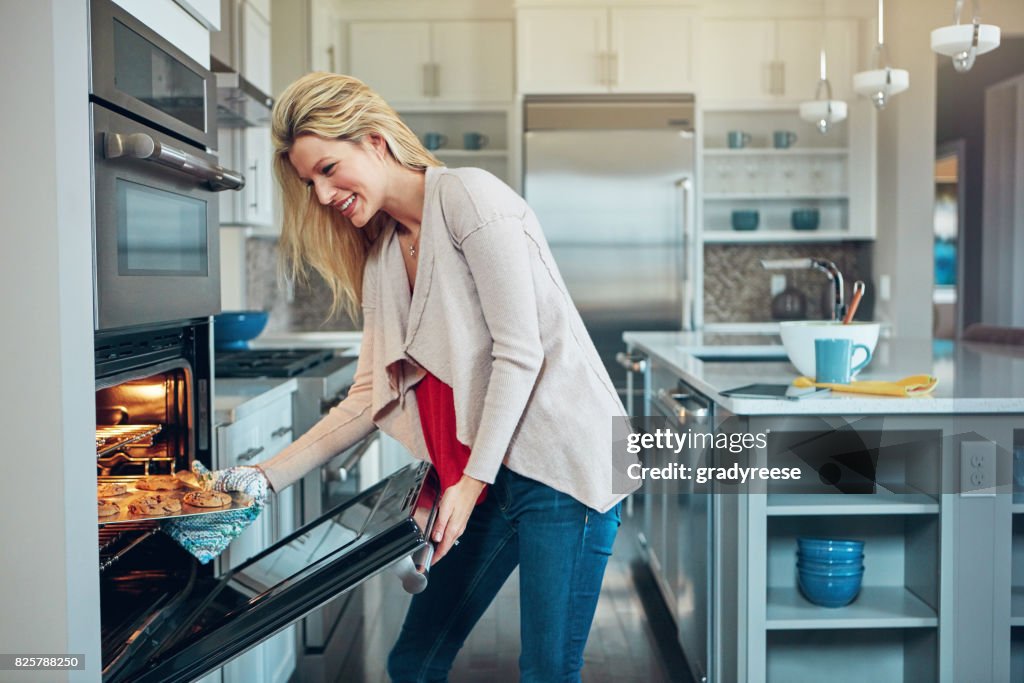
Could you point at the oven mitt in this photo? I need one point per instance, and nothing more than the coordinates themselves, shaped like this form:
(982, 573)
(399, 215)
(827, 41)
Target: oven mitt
(206, 536)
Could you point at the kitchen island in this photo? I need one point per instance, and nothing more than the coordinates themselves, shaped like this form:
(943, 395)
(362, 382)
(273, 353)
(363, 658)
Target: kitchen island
(926, 482)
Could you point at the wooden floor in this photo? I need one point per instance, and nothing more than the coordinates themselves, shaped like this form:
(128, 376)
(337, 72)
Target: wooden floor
(632, 639)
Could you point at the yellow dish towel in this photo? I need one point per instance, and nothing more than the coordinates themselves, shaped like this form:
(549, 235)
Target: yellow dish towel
(915, 385)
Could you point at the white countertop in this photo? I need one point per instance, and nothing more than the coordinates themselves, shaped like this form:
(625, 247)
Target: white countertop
(350, 341)
(234, 399)
(973, 378)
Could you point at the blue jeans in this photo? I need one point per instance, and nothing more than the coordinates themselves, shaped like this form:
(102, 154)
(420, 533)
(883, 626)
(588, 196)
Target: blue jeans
(561, 547)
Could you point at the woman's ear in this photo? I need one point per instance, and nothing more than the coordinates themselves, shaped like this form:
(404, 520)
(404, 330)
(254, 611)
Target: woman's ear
(378, 144)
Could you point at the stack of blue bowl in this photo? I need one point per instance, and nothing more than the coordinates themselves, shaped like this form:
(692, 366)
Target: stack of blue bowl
(829, 571)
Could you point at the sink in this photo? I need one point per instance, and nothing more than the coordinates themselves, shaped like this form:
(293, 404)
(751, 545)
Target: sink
(738, 354)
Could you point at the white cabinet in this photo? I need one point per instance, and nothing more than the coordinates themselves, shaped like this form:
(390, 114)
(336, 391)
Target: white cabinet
(248, 441)
(768, 60)
(436, 62)
(255, 46)
(594, 50)
(249, 150)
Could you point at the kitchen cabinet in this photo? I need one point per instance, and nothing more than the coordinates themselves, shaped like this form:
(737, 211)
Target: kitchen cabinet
(833, 174)
(251, 151)
(608, 49)
(243, 42)
(941, 597)
(175, 24)
(425, 63)
(254, 432)
(779, 59)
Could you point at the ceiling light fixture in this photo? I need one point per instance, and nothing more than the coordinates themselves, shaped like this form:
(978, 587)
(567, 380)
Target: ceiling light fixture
(881, 82)
(823, 113)
(964, 42)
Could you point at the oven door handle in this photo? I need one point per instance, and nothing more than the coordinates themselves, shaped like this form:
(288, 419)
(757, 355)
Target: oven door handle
(352, 460)
(142, 146)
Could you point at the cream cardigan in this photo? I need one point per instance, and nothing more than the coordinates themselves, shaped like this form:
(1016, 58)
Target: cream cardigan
(491, 317)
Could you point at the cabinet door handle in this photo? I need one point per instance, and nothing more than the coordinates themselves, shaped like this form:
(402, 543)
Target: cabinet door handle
(613, 69)
(426, 79)
(254, 172)
(281, 431)
(437, 79)
(602, 68)
(782, 78)
(250, 454)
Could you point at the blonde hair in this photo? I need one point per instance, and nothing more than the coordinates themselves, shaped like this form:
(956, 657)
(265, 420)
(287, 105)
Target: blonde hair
(335, 107)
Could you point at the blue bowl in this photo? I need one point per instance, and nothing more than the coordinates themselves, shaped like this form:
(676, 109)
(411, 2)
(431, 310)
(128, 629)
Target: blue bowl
(839, 544)
(234, 329)
(830, 555)
(805, 219)
(829, 591)
(745, 220)
(822, 569)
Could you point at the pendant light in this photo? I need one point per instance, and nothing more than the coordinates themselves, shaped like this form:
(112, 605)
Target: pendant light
(964, 42)
(823, 113)
(881, 82)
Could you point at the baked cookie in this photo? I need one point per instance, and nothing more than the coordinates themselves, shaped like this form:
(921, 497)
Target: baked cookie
(154, 504)
(207, 499)
(106, 508)
(159, 482)
(110, 490)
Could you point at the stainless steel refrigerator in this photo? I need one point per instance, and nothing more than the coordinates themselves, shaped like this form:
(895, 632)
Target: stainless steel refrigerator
(611, 180)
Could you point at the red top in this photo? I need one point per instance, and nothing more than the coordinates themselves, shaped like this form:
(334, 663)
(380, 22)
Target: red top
(437, 414)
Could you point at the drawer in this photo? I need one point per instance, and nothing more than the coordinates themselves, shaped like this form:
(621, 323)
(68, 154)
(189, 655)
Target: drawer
(258, 436)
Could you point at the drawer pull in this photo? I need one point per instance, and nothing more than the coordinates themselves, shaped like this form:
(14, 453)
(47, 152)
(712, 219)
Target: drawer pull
(281, 431)
(251, 453)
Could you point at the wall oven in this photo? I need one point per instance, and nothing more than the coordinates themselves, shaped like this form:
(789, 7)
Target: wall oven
(155, 184)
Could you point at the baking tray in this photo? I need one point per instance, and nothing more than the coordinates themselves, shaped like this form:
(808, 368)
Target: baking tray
(239, 501)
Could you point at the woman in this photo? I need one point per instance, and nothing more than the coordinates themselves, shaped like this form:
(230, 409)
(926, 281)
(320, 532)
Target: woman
(472, 356)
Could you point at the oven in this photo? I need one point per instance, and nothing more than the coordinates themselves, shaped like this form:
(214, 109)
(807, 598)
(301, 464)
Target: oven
(155, 184)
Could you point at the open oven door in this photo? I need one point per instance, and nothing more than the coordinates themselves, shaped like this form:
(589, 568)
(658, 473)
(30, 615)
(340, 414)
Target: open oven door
(225, 616)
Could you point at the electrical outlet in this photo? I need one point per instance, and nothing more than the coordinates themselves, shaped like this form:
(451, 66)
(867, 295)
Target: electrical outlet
(977, 468)
(778, 283)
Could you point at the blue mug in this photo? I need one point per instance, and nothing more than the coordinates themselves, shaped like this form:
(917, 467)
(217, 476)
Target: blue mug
(833, 360)
(737, 139)
(434, 141)
(783, 139)
(474, 140)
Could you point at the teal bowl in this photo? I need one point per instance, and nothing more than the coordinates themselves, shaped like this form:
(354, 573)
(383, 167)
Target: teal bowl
(805, 219)
(745, 220)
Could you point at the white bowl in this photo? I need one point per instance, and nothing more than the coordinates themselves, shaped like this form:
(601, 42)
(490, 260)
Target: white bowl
(798, 337)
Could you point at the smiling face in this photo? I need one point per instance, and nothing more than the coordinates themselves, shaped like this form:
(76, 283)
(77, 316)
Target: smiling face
(350, 177)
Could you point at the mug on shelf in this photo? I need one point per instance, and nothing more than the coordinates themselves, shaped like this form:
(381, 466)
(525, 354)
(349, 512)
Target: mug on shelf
(783, 139)
(474, 140)
(434, 141)
(737, 139)
(833, 360)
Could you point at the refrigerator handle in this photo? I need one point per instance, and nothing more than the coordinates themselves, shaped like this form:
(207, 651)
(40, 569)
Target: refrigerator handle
(685, 184)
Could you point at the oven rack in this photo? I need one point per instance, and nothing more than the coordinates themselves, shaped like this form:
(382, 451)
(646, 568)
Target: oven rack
(115, 541)
(110, 438)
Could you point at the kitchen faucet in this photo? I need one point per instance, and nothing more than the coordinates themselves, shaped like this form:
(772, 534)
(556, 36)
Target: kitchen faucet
(825, 266)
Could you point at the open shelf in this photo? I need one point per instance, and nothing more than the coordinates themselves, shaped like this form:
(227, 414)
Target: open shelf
(875, 607)
(855, 656)
(760, 236)
(761, 151)
(747, 196)
(470, 153)
(882, 503)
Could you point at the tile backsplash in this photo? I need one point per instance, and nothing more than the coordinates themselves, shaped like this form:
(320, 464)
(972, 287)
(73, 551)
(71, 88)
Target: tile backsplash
(738, 289)
(305, 310)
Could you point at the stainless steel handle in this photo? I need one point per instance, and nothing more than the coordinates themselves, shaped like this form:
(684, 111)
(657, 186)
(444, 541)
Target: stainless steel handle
(142, 146)
(633, 362)
(280, 431)
(686, 258)
(250, 454)
(684, 406)
(353, 459)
